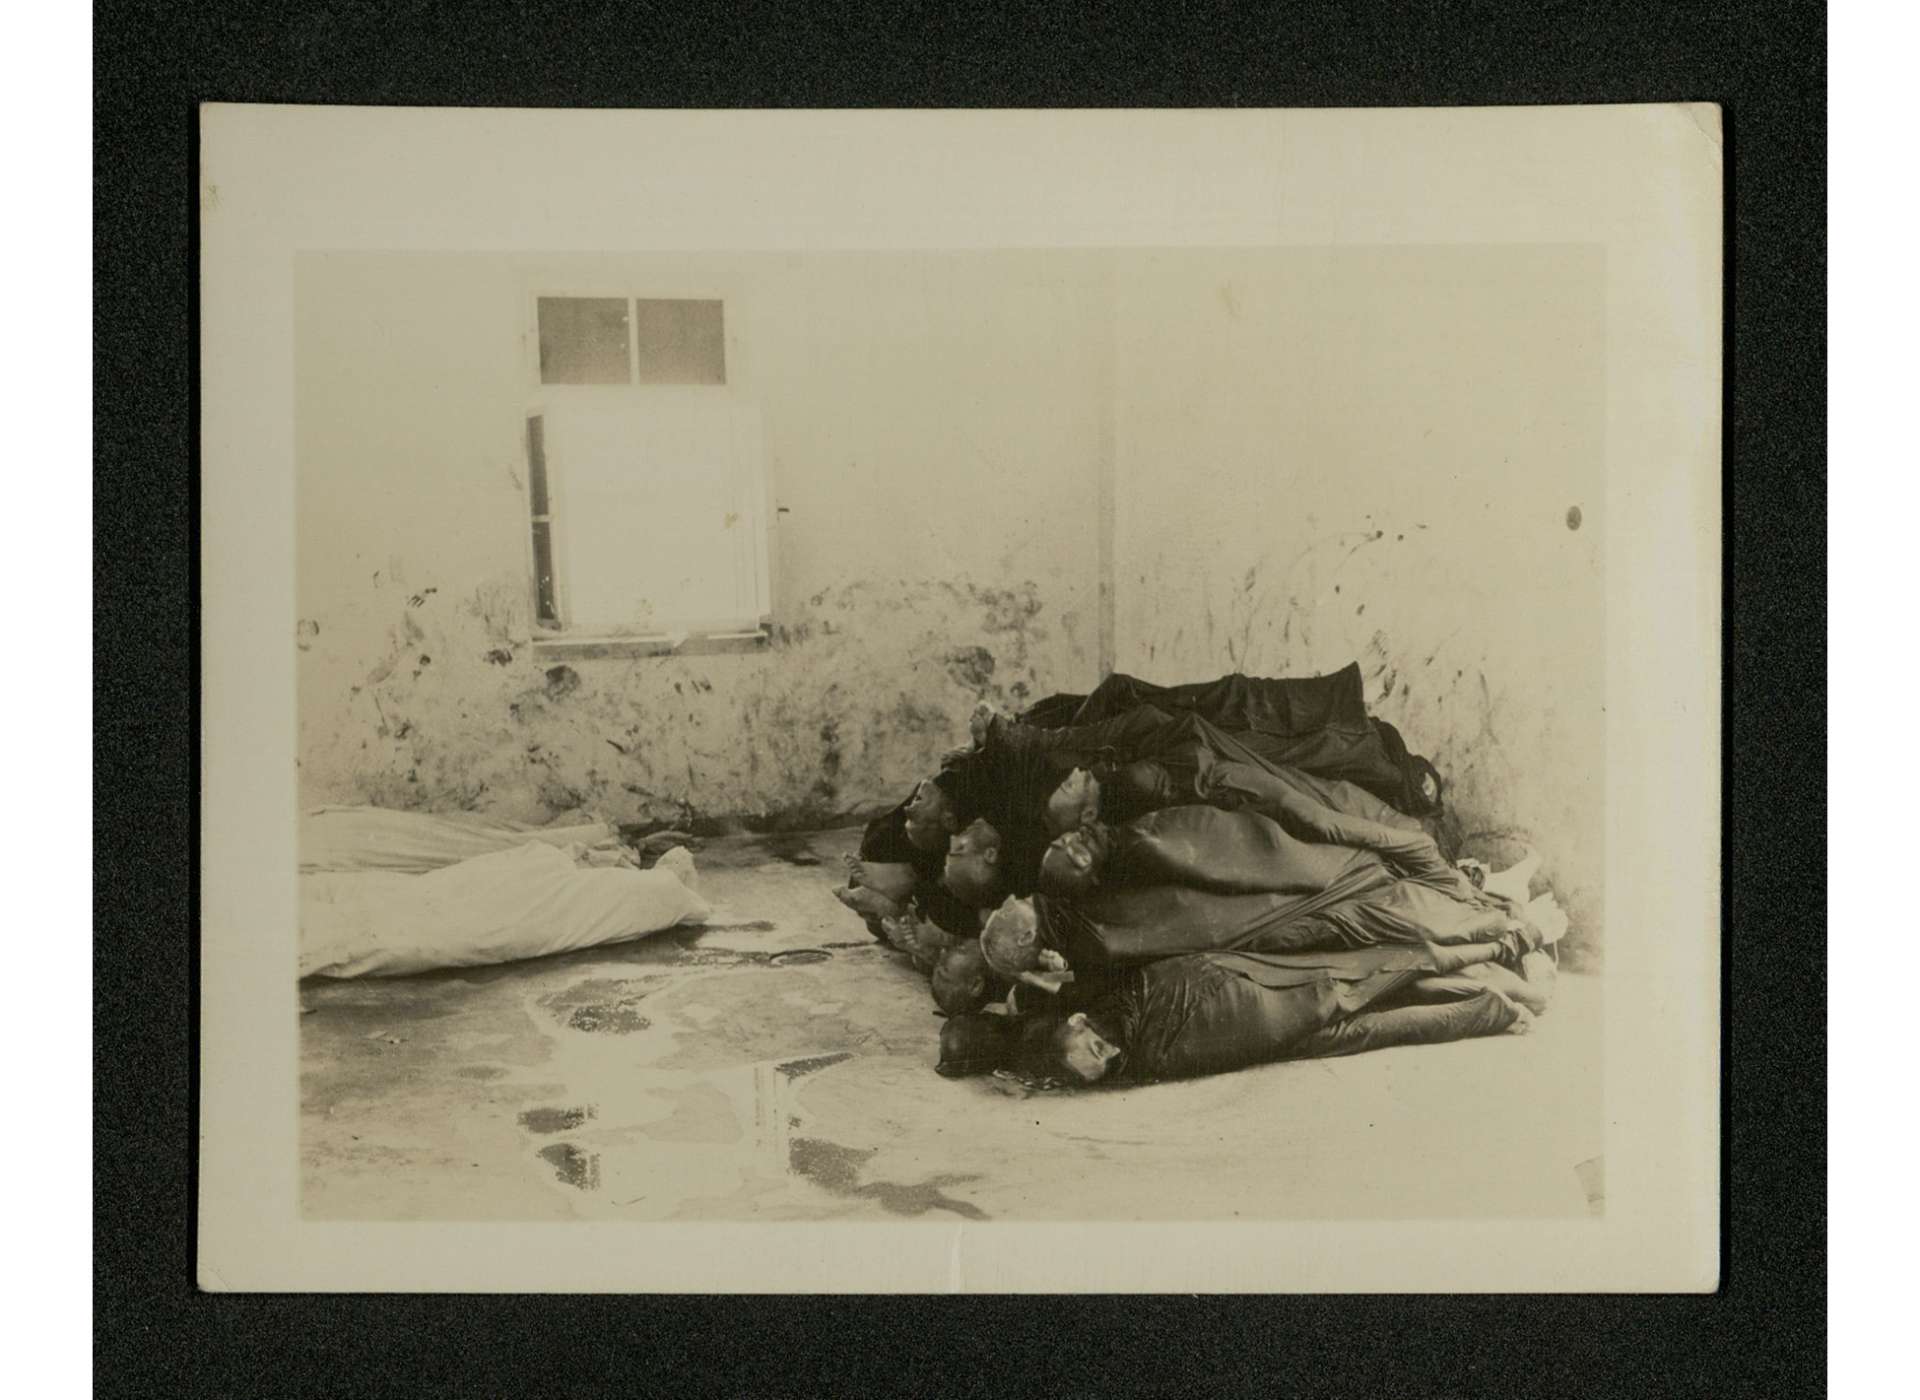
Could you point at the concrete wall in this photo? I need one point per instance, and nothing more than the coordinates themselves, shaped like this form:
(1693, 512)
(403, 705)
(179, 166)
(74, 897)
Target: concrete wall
(1392, 455)
(1309, 456)
(934, 426)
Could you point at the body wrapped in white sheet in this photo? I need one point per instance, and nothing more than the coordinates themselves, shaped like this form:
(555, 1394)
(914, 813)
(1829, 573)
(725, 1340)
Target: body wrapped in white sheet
(378, 838)
(524, 902)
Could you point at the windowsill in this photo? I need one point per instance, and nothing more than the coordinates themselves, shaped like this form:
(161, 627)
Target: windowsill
(561, 647)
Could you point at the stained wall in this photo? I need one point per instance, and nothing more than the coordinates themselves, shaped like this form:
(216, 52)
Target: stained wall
(1297, 457)
(934, 428)
(1392, 455)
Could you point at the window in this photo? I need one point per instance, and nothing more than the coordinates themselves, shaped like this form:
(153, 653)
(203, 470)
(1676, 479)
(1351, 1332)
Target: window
(546, 600)
(614, 340)
(585, 340)
(646, 482)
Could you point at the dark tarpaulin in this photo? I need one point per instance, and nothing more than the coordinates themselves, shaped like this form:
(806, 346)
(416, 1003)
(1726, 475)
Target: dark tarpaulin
(1146, 759)
(1318, 724)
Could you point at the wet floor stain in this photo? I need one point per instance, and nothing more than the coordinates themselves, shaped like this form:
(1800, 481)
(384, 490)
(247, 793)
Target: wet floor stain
(701, 1113)
(605, 1005)
(794, 1069)
(794, 850)
(836, 1168)
(580, 1170)
(618, 1019)
(546, 1121)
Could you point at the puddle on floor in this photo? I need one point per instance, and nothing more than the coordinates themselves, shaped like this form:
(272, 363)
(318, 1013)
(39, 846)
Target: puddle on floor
(547, 1121)
(580, 1170)
(836, 1168)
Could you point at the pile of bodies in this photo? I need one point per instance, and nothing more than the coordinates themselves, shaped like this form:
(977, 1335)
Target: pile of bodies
(1155, 882)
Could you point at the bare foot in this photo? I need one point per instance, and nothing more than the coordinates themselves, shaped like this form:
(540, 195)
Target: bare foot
(1522, 1018)
(1538, 971)
(868, 902)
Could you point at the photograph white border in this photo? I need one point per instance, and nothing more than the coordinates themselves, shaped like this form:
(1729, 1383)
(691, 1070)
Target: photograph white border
(1643, 181)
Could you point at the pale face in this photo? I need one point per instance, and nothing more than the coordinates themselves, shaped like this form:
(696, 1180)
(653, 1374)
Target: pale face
(930, 817)
(1074, 803)
(1071, 863)
(973, 860)
(960, 979)
(1011, 938)
(1086, 1053)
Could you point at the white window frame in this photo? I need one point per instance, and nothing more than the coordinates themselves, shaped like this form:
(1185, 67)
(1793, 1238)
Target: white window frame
(753, 498)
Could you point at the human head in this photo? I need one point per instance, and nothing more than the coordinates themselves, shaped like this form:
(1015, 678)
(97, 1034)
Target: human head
(960, 979)
(930, 816)
(973, 1044)
(1074, 803)
(1011, 938)
(1079, 1053)
(1073, 863)
(973, 872)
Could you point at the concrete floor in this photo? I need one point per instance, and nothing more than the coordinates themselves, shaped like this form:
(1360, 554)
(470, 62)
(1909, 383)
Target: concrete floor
(778, 1065)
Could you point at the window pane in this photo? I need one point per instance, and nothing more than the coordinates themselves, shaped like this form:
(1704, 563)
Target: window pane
(537, 463)
(543, 572)
(583, 340)
(681, 342)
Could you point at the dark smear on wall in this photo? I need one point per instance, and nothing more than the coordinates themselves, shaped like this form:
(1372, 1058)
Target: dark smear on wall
(562, 681)
(825, 786)
(971, 667)
(580, 1170)
(835, 1168)
(547, 1121)
(1573, 517)
(499, 656)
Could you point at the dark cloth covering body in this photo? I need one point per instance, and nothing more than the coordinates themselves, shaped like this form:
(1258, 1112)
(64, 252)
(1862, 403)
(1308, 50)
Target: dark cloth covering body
(1145, 759)
(1210, 1013)
(1261, 834)
(1318, 724)
(1405, 895)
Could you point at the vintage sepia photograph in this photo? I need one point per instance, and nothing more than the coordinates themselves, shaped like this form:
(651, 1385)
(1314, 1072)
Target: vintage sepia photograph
(950, 728)
(988, 734)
